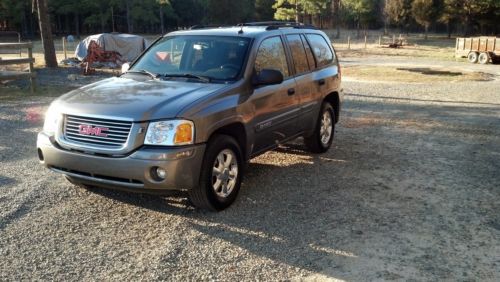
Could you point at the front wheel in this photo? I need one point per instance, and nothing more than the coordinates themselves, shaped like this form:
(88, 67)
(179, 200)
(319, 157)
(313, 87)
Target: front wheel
(322, 137)
(220, 177)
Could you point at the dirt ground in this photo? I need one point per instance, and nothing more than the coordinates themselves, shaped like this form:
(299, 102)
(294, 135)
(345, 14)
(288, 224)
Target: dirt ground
(409, 191)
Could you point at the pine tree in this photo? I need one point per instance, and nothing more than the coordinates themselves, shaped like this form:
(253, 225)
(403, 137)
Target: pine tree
(425, 13)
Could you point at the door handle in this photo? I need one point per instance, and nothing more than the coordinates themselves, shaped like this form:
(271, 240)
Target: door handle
(321, 82)
(291, 91)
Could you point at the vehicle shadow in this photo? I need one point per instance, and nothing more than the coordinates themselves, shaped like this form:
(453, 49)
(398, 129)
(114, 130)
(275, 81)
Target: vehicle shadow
(286, 223)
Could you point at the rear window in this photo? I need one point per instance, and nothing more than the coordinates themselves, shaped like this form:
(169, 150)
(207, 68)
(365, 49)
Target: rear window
(321, 49)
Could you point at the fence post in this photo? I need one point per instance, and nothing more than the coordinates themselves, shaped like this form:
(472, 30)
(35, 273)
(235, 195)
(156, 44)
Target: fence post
(365, 41)
(19, 40)
(379, 40)
(394, 39)
(32, 79)
(64, 48)
(349, 42)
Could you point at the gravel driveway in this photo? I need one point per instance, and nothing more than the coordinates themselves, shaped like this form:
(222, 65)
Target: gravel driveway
(410, 190)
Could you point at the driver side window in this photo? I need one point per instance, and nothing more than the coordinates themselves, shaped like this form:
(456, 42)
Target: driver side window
(271, 55)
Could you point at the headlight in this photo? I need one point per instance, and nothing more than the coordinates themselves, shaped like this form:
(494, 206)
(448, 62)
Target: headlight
(170, 133)
(51, 120)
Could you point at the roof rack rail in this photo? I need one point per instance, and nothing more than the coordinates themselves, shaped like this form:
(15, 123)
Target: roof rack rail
(271, 25)
(202, 26)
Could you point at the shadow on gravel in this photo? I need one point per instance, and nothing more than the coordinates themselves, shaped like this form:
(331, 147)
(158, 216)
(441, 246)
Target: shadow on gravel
(16, 214)
(4, 181)
(19, 131)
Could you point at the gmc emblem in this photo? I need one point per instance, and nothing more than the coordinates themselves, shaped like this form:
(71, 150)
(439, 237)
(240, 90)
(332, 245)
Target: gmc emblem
(87, 129)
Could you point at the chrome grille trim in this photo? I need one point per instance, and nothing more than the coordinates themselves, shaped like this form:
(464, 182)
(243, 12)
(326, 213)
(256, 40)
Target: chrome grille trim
(118, 131)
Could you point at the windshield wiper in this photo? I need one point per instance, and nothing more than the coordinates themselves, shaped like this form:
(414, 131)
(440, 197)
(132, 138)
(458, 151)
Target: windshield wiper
(189, 75)
(151, 74)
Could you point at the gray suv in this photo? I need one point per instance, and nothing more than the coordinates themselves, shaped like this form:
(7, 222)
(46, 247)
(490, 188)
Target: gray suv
(194, 108)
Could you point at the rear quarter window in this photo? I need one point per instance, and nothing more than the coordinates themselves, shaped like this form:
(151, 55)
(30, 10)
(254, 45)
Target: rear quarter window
(321, 49)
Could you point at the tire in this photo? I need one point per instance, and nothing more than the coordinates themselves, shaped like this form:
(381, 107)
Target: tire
(483, 58)
(220, 177)
(321, 140)
(472, 57)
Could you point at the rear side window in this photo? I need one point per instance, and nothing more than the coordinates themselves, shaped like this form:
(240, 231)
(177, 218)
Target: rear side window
(309, 54)
(298, 53)
(321, 49)
(271, 55)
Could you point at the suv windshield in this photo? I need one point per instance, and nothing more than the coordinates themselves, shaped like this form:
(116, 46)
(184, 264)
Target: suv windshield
(195, 56)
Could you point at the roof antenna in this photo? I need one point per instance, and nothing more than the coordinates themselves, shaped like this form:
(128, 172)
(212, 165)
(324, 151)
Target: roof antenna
(241, 30)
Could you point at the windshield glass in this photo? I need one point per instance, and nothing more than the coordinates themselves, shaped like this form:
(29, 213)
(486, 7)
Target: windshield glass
(214, 57)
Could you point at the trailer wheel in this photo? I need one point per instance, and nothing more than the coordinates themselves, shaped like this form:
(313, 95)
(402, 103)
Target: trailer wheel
(472, 57)
(484, 58)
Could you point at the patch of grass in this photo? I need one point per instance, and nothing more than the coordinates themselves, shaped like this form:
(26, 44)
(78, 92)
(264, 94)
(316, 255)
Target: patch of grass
(405, 51)
(412, 75)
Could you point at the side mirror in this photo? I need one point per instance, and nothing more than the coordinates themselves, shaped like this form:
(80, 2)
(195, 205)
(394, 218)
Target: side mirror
(268, 77)
(125, 67)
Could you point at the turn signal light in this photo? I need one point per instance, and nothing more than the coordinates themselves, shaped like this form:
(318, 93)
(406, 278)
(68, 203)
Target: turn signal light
(184, 134)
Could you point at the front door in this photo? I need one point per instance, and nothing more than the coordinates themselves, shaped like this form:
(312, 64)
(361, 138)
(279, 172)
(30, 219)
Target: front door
(276, 106)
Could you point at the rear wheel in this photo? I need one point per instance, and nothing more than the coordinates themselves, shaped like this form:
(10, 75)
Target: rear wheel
(221, 174)
(483, 58)
(322, 138)
(473, 57)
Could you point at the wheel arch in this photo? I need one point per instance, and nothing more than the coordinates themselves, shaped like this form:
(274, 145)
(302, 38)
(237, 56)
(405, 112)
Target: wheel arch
(334, 99)
(238, 132)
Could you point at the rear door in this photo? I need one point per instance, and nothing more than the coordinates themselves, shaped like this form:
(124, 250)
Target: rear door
(276, 106)
(325, 77)
(303, 65)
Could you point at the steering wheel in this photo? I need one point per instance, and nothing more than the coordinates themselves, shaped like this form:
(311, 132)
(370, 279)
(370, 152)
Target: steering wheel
(230, 66)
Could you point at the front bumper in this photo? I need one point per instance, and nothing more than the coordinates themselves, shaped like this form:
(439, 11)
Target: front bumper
(132, 172)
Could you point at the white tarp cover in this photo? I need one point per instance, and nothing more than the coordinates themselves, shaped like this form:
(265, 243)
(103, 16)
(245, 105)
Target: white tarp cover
(128, 45)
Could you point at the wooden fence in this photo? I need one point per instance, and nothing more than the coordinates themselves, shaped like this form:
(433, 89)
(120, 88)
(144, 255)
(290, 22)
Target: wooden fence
(14, 75)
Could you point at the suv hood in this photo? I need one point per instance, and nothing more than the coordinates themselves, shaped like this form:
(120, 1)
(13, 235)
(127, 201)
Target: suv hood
(132, 99)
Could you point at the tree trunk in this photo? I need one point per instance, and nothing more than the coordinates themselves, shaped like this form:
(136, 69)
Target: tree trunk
(46, 34)
(296, 11)
(336, 16)
(358, 29)
(426, 31)
(112, 19)
(59, 25)
(162, 28)
(24, 23)
(129, 20)
(103, 23)
(77, 25)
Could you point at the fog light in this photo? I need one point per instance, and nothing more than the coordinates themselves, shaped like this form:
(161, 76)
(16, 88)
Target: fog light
(161, 173)
(158, 173)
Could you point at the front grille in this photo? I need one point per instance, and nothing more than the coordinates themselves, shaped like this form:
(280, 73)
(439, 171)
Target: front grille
(117, 131)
